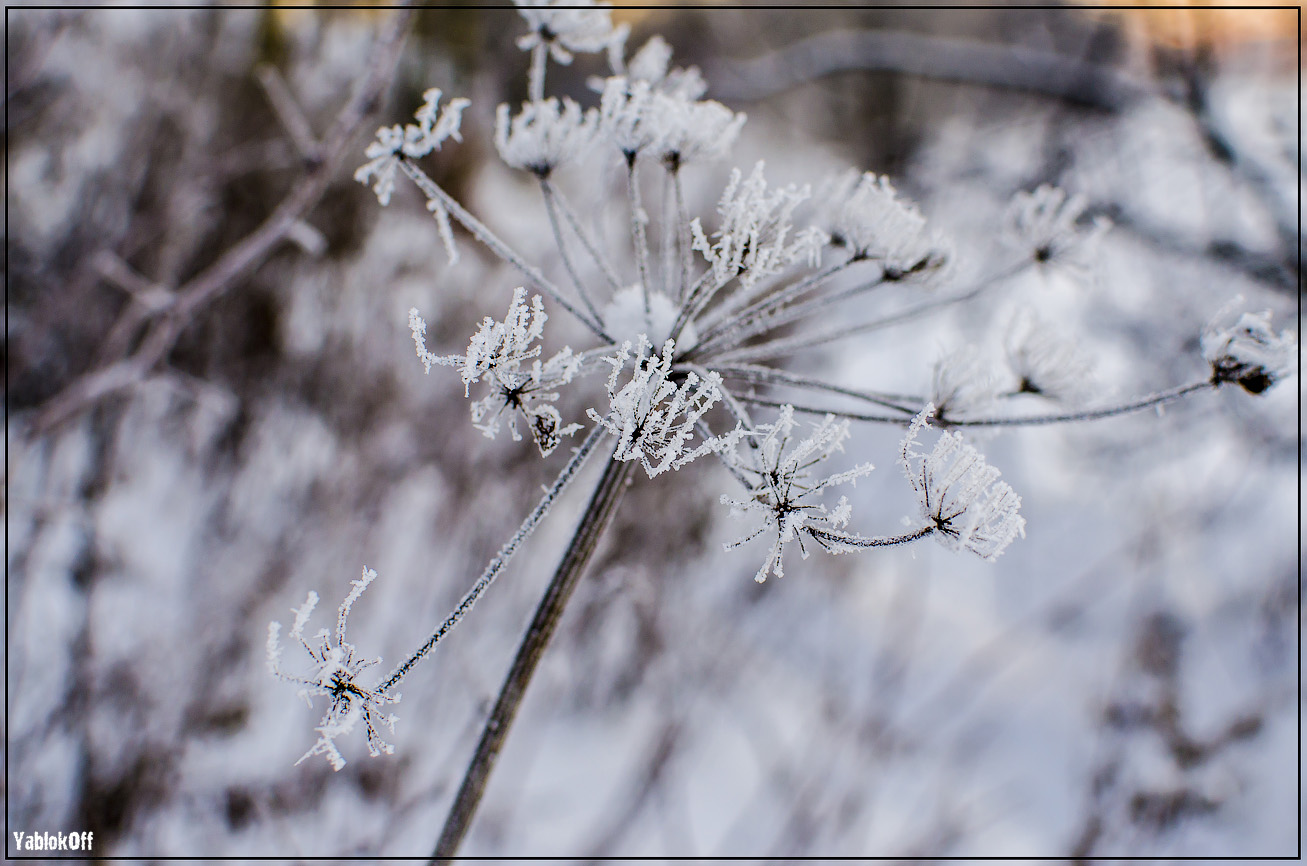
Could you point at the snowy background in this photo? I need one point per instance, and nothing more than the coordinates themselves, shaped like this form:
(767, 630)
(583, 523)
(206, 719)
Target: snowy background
(1122, 682)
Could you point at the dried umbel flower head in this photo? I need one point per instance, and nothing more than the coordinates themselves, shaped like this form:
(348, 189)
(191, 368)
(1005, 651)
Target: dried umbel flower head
(563, 27)
(496, 355)
(544, 135)
(335, 673)
(396, 143)
(862, 213)
(1046, 225)
(1046, 364)
(784, 492)
(960, 494)
(962, 384)
(756, 238)
(653, 417)
(1248, 351)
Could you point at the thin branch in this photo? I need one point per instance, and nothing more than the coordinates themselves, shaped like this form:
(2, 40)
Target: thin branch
(505, 555)
(638, 218)
(247, 254)
(433, 191)
(729, 324)
(682, 239)
(289, 113)
(598, 514)
(560, 200)
(770, 376)
(789, 345)
(550, 208)
(1157, 399)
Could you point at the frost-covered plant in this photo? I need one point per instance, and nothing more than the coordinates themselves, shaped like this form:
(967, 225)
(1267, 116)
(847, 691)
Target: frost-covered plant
(1249, 352)
(965, 504)
(335, 673)
(727, 297)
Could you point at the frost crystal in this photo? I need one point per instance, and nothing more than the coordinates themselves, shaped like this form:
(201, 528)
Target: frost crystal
(863, 213)
(564, 27)
(755, 238)
(394, 143)
(653, 418)
(544, 135)
(1047, 365)
(410, 141)
(1043, 223)
(1249, 352)
(496, 354)
(335, 674)
(960, 493)
(782, 483)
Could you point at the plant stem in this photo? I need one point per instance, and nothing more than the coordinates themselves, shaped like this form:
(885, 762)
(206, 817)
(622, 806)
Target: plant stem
(501, 559)
(598, 514)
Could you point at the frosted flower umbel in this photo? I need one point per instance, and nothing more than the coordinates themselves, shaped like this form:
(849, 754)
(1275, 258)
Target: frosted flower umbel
(335, 674)
(564, 27)
(395, 143)
(960, 494)
(863, 214)
(1249, 352)
(653, 417)
(1047, 365)
(1045, 224)
(497, 354)
(784, 492)
(544, 135)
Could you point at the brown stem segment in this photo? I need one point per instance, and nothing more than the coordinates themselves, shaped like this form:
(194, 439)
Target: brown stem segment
(598, 514)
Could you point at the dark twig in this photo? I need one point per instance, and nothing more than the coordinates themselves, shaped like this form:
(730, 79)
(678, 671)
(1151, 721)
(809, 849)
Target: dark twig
(247, 254)
(598, 514)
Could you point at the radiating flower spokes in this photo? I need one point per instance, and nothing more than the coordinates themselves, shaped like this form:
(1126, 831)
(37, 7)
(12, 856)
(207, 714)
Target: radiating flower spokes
(335, 672)
(960, 494)
(655, 414)
(784, 492)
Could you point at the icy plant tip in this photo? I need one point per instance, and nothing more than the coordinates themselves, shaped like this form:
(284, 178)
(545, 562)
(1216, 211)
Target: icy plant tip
(497, 355)
(960, 494)
(334, 673)
(784, 493)
(1248, 352)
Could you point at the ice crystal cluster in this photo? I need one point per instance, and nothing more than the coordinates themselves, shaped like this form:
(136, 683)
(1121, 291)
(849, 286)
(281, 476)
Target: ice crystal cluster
(692, 316)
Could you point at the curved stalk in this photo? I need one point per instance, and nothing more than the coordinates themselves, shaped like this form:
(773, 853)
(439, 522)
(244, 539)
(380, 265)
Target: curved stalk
(1147, 402)
(598, 515)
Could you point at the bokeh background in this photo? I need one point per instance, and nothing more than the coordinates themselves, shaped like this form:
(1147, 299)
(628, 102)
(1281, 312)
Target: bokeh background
(1124, 681)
